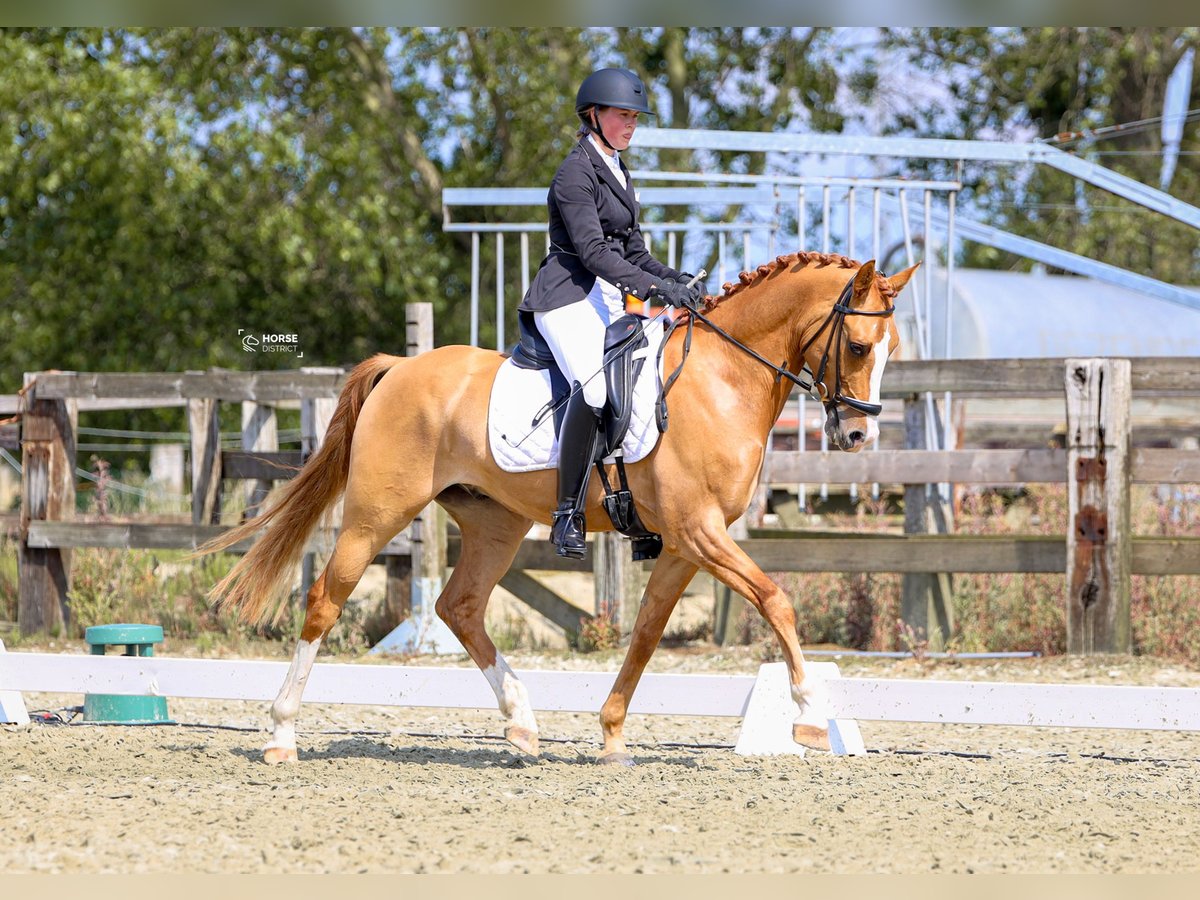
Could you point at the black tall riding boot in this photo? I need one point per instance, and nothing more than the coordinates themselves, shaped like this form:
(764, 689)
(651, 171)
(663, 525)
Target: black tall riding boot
(576, 450)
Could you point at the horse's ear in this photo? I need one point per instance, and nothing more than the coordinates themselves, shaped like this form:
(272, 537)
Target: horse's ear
(864, 279)
(900, 279)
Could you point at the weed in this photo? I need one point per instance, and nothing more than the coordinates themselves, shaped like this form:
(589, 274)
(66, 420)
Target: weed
(601, 632)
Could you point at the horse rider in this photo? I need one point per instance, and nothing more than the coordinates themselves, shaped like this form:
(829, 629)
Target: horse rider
(597, 257)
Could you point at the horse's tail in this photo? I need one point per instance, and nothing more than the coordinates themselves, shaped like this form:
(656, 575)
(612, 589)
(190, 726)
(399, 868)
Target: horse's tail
(259, 578)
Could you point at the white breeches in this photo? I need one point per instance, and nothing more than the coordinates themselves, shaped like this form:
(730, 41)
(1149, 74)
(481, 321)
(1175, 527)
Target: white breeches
(575, 334)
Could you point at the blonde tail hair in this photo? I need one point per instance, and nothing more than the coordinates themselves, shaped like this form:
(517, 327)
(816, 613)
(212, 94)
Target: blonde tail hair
(259, 578)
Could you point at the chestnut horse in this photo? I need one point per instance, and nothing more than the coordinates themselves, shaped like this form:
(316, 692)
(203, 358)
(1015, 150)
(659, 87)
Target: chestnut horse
(408, 431)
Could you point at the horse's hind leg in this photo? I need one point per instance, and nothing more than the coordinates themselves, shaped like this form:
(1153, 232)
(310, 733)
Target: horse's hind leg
(366, 528)
(491, 536)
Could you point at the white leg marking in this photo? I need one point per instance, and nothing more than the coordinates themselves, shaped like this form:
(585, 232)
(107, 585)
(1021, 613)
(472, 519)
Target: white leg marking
(881, 358)
(513, 698)
(811, 697)
(287, 705)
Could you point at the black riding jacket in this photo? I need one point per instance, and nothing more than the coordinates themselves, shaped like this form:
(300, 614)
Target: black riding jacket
(593, 231)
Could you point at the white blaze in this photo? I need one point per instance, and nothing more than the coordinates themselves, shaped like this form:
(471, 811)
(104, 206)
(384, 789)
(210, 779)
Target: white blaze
(881, 358)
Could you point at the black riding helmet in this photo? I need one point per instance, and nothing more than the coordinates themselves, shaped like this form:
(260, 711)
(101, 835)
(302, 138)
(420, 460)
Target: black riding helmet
(610, 87)
(613, 87)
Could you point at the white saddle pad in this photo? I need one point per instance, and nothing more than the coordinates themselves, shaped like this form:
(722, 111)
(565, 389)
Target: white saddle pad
(518, 395)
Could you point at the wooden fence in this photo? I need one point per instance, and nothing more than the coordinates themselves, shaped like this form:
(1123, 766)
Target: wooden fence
(1098, 464)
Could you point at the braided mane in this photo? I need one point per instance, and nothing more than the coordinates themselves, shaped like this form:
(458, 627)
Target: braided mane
(803, 258)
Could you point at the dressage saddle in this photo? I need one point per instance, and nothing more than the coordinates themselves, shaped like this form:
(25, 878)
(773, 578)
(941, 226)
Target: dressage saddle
(621, 339)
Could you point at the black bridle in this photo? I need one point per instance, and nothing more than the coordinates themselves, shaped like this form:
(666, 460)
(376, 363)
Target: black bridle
(834, 322)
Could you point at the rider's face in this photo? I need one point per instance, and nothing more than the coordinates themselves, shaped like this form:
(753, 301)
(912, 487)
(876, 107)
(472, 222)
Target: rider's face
(617, 125)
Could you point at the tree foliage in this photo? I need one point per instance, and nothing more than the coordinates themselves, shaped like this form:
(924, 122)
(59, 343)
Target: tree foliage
(160, 189)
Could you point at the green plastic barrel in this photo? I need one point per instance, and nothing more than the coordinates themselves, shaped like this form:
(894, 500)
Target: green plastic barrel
(125, 709)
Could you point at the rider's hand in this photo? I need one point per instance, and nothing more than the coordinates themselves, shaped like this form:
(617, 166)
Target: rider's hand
(685, 277)
(677, 294)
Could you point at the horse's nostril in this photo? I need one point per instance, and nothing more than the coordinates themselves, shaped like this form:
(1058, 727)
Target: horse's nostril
(857, 437)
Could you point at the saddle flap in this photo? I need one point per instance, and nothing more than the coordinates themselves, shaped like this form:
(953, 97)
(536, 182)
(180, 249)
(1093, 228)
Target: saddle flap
(622, 366)
(532, 351)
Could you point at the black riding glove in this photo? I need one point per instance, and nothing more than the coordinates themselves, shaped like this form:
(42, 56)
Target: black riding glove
(677, 294)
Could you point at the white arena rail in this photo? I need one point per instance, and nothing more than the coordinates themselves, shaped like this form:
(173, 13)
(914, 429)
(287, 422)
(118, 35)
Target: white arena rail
(762, 702)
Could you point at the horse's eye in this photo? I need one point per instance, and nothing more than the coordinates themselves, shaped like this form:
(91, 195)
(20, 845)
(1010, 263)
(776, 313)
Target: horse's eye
(858, 349)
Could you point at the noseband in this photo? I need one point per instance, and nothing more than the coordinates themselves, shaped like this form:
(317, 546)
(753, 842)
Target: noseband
(834, 323)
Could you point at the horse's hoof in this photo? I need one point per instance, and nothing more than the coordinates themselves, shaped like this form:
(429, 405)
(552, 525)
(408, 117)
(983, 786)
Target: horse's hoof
(616, 759)
(811, 736)
(275, 755)
(523, 739)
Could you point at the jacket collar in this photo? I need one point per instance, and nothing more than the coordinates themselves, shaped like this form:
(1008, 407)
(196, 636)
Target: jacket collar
(602, 169)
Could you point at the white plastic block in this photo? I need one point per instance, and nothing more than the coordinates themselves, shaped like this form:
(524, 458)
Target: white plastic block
(770, 712)
(12, 705)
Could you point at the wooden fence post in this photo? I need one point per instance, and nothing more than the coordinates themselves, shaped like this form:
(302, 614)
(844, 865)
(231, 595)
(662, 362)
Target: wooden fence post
(315, 413)
(1099, 544)
(925, 605)
(617, 580)
(204, 423)
(428, 530)
(259, 432)
(47, 494)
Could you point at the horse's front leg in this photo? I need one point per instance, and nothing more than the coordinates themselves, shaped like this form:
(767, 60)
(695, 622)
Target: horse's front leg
(716, 552)
(663, 590)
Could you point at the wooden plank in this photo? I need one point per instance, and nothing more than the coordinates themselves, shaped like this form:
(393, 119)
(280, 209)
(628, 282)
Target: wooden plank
(1153, 465)
(47, 495)
(1150, 376)
(162, 536)
(10, 435)
(1163, 376)
(1150, 465)
(1166, 556)
(918, 466)
(1016, 377)
(797, 552)
(204, 424)
(911, 553)
(1099, 543)
(277, 465)
(262, 387)
(537, 596)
